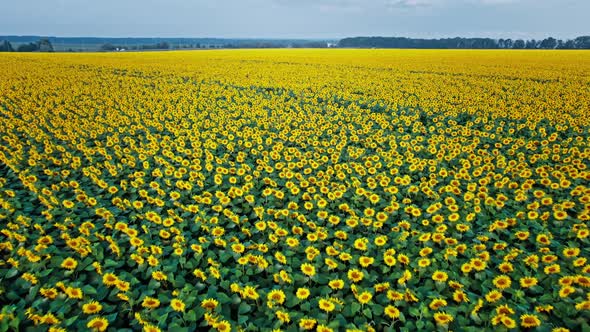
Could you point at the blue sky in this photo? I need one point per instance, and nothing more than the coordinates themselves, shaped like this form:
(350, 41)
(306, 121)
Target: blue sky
(297, 18)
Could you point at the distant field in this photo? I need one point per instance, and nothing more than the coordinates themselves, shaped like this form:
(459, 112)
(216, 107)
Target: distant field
(295, 190)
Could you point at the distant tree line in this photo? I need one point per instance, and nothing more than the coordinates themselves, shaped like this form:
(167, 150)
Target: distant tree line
(45, 44)
(277, 44)
(42, 45)
(550, 43)
(81, 44)
(233, 45)
(156, 46)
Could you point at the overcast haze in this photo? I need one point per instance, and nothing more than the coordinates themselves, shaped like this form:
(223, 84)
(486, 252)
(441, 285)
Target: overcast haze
(297, 18)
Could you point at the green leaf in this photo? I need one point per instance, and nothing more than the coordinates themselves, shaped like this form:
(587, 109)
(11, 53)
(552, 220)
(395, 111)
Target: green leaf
(45, 273)
(305, 306)
(367, 312)
(244, 308)
(242, 319)
(71, 320)
(355, 307)
(89, 290)
(190, 316)
(11, 273)
(223, 298)
(420, 324)
(112, 317)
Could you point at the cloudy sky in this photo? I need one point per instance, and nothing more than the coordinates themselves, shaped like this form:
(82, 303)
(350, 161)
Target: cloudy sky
(297, 18)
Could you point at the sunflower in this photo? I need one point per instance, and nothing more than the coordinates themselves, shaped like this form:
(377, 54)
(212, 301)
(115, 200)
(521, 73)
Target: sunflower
(392, 312)
(239, 248)
(364, 297)
(571, 252)
(209, 304)
(336, 284)
(442, 318)
(404, 259)
(276, 296)
(583, 281)
(323, 328)
(98, 324)
(508, 322)
(177, 305)
(361, 244)
(50, 319)
(466, 268)
(223, 326)
(283, 316)
(552, 269)
(440, 276)
(355, 275)
(308, 269)
(92, 307)
(109, 279)
(529, 321)
(493, 296)
(250, 292)
(437, 303)
(150, 328)
(74, 293)
(460, 296)
(50, 293)
(159, 276)
(583, 233)
(502, 282)
(69, 264)
(478, 264)
(150, 302)
(389, 260)
(366, 261)
(307, 323)
(566, 291)
(543, 239)
(331, 263)
(30, 278)
(527, 282)
(393, 295)
(302, 293)
(326, 305)
(423, 262)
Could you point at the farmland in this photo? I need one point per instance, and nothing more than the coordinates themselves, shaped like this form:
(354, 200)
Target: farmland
(295, 190)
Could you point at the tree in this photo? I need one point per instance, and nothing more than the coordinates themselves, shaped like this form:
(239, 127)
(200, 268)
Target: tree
(5, 46)
(518, 44)
(582, 42)
(30, 47)
(559, 44)
(548, 43)
(108, 47)
(569, 45)
(531, 44)
(45, 45)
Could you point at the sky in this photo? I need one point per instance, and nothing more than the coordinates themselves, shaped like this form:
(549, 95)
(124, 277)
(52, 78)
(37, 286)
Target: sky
(314, 19)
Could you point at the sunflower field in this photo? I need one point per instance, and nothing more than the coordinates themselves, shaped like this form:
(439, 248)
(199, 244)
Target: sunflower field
(293, 190)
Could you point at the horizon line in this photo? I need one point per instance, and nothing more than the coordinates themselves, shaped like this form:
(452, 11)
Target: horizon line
(282, 38)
